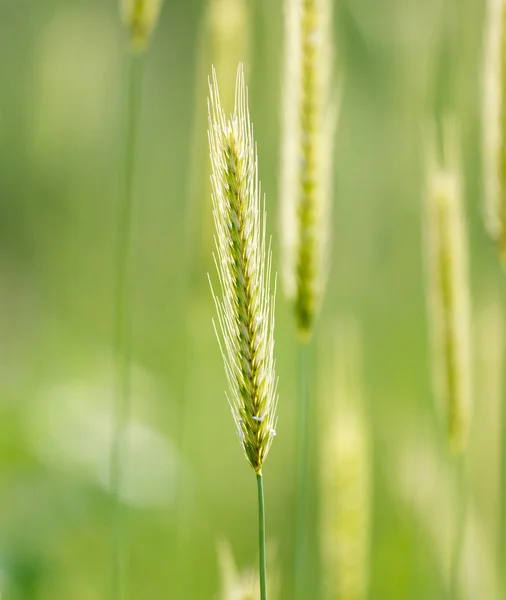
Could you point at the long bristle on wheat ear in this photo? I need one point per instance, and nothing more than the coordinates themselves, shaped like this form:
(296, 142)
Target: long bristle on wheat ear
(494, 123)
(308, 129)
(243, 260)
(448, 290)
(140, 18)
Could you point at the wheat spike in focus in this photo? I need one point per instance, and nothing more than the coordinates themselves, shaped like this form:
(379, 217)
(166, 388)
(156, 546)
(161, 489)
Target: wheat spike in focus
(243, 260)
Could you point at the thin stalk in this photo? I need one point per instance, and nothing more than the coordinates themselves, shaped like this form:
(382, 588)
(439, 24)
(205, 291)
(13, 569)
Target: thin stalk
(122, 337)
(301, 539)
(261, 537)
(502, 498)
(460, 526)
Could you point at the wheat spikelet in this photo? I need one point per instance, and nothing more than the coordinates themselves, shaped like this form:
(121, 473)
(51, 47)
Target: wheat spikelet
(448, 289)
(243, 261)
(140, 18)
(494, 123)
(345, 494)
(308, 128)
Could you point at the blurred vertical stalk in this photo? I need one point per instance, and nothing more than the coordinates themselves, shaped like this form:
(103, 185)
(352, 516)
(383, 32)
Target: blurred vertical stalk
(122, 334)
(301, 531)
(460, 526)
(494, 186)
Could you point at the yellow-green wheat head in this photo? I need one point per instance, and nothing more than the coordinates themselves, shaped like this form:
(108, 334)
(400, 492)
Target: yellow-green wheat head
(308, 128)
(140, 18)
(243, 260)
(448, 288)
(494, 123)
(345, 491)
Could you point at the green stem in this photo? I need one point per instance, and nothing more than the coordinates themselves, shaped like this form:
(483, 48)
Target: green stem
(301, 540)
(502, 498)
(460, 526)
(122, 341)
(261, 537)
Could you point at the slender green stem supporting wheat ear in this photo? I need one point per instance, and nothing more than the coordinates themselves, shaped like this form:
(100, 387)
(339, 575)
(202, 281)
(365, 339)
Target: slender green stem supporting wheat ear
(261, 537)
(122, 343)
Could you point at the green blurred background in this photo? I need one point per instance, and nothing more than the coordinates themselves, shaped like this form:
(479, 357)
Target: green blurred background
(63, 69)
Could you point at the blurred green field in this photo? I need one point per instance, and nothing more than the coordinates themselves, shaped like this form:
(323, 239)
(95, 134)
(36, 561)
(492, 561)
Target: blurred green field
(63, 67)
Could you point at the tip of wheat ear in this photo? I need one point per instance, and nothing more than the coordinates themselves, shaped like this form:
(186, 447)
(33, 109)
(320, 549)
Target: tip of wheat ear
(448, 288)
(245, 303)
(140, 18)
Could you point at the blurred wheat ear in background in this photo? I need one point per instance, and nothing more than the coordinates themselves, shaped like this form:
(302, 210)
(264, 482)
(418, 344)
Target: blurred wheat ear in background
(139, 18)
(345, 477)
(306, 160)
(494, 124)
(448, 288)
(494, 187)
(305, 180)
(246, 308)
(449, 311)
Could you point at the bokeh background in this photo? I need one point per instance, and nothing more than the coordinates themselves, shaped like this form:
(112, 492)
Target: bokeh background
(63, 70)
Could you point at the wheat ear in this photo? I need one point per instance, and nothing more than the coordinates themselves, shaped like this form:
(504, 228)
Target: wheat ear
(448, 289)
(494, 123)
(140, 18)
(246, 304)
(308, 129)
